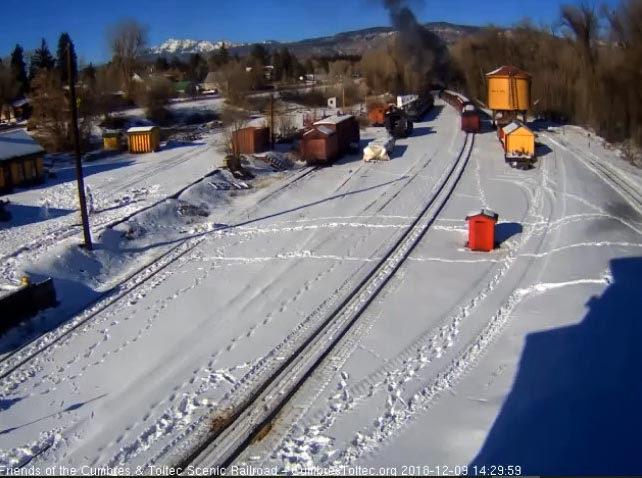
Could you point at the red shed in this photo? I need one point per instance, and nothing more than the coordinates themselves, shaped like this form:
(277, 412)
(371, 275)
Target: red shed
(251, 140)
(347, 129)
(481, 230)
(319, 145)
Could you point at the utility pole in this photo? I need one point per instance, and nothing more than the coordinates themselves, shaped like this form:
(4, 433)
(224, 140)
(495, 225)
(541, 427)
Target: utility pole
(343, 97)
(271, 121)
(74, 130)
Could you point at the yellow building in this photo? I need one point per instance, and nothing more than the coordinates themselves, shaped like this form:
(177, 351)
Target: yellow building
(111, 140)
(509, 92)
(518, 141)
(20, 160)
(143, 139)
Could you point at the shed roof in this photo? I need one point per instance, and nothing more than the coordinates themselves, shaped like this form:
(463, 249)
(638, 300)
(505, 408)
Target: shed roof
(16, 143)
(514, 126)
(489, 213)
(140, 129)
(321, 129)
(334, 119)
(509, 70)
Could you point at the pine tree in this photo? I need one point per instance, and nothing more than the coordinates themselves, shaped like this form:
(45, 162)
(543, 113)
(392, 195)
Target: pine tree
(88, 73)
(19, 69)
(260, 54)
(61, 62)
(41, 59)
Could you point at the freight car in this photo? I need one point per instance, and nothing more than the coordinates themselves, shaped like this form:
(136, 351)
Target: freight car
(347, 129)
(470, 121)
(319, 146)
(330, 138)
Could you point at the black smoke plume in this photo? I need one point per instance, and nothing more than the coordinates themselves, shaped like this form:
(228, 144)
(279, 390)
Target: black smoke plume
(418, 49)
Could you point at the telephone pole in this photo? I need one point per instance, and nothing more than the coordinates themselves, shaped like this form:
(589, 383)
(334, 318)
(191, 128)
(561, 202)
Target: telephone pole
(272, 121)
(74, 130)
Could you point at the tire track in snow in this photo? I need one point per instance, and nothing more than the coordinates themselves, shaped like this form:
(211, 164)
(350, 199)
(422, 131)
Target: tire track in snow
(248, 381)
(371, 289)
(10, 368)
(394, 374)
(617, 181)
(143, 276)
(105, 355)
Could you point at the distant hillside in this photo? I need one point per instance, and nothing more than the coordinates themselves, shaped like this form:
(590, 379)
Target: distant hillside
(353, 42)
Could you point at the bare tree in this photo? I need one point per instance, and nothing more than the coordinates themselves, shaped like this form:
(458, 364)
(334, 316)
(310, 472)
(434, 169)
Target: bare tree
(582, 24)
(127, 39)
(106, 85)
(235, 82)
(233, 120)
(155, 97)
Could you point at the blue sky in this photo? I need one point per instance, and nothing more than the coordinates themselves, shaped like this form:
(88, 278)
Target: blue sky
(26, 21)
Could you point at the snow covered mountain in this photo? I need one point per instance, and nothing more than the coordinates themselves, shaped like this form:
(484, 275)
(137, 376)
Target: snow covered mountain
(178, 47)
(351, 42)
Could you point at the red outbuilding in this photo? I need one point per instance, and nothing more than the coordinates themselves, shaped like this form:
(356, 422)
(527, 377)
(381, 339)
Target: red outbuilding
(481, 230)
(251, 140)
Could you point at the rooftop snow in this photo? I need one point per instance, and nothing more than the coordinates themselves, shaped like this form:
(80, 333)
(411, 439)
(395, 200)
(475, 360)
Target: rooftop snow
(509, 128)
(140, 129)
(333, 119)
(484, 212)
(16, 143)
(508, 70)
(322, 129)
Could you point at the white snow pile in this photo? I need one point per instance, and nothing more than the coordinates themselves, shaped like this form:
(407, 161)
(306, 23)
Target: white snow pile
(148, 233)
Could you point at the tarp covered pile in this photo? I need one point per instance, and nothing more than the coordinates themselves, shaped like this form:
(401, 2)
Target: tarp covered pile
(379, 149)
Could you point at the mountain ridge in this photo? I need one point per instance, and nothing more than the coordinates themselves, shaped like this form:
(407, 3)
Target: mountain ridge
(342, 43)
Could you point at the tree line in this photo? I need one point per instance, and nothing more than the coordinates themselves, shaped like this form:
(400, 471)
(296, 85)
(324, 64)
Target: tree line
(587, 68)
(15, 78)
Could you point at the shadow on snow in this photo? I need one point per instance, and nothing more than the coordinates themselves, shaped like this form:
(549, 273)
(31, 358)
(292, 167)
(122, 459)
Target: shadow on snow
(575, 404)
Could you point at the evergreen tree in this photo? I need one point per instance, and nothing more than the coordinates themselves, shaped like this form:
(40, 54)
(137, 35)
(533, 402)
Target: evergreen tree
(219, 58)
(176, 64)
(41, 60)
(88, 73)
(61, 62)
(286, 63)
(260, 54)
(277, 63)
(19, 69)
(161, 64)
(197, 67)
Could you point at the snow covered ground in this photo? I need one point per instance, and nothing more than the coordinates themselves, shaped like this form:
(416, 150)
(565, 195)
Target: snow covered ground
(117, 186)
(524, 356)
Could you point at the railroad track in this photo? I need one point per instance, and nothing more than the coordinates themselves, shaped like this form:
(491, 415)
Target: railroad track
(229, 434)
(98, 221)
(623, 186)
(12, 362)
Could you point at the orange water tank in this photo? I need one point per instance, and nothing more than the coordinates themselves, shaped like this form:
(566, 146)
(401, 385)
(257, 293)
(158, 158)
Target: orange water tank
(509, 89)
(481, 230)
